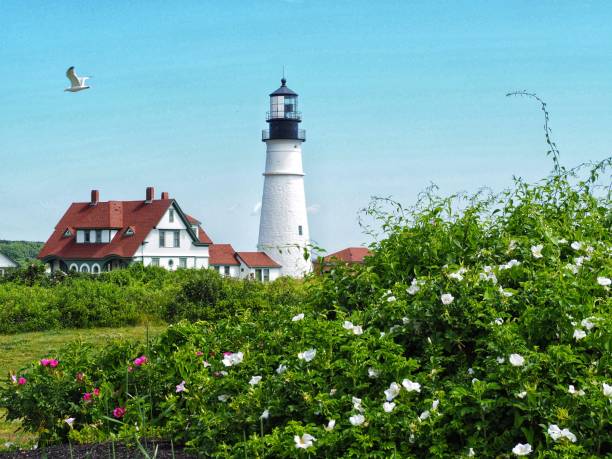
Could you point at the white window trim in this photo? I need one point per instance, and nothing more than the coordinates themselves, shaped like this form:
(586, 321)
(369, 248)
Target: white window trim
(84, 268)
(94, 266)
(73, 265)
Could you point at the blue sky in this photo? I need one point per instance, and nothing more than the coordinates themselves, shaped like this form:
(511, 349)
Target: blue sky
(394, 96)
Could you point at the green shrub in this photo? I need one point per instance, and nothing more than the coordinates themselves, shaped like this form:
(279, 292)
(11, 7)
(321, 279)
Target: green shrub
(498, 307)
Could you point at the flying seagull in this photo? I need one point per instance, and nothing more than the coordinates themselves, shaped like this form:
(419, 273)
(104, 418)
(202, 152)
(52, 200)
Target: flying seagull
(76, 83)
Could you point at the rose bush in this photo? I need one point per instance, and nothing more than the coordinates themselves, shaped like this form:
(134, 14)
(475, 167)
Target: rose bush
(478, 327)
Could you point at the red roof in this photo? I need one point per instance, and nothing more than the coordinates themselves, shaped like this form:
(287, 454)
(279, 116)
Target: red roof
(203, 237)
(349, 255)
(192, 220)
(120, 215)
(222, 254)
(257, 260)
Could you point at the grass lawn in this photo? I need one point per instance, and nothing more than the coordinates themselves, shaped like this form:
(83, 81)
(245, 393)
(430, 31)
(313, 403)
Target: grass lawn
(16, 351)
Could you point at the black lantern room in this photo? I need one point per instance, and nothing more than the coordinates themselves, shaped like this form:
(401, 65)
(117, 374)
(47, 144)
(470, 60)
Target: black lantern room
(284, 116)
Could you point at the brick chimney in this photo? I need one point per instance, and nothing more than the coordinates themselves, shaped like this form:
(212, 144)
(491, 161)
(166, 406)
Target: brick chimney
(165, 195)
(95, 198)
(150, 195)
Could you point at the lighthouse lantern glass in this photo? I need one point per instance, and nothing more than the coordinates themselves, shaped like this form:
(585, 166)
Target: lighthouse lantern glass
(283, 107)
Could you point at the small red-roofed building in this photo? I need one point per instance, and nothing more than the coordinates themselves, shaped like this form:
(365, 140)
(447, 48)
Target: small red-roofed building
(350, 255)
(223, 259)
(258, 266)
(100, 236)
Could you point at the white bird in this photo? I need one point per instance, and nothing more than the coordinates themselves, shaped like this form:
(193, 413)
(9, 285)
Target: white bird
(76, 83)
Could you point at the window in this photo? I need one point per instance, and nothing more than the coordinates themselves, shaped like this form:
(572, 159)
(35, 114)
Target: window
(266, 275)
(171, 215)
(182, 262)
(129, 231)
(95, 269)
(300, 232)
(171, 263)
(177, 239)
(226, 270)
(67, 233)
(98, 236)
(87, 239)
(84, 268)
(258, 274)
(154, 261)
(74, 268)
(162, 238)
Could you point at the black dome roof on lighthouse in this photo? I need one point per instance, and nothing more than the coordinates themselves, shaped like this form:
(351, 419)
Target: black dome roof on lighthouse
(283, 90)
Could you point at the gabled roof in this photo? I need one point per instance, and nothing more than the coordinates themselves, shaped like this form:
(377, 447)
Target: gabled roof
(348, 255)
(222, 254)
(136, 214)
(257, 260)
(142, 217)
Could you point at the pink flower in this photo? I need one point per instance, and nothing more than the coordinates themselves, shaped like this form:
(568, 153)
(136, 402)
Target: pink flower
(139, 361)
(96, 392)
(180, 387)
(87, 396)
(21, 381)
(53, 363)
(118, 412)
(44, 362)
(227, 354)
(199, 353)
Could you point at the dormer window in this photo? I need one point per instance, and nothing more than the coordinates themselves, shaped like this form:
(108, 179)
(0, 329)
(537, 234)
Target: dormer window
(130, 231)
(67, 232)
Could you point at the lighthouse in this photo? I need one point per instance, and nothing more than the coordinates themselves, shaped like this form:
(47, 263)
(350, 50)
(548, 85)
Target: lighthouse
(283, 225)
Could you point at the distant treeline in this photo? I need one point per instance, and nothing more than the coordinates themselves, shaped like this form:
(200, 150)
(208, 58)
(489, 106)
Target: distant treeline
(22, 252)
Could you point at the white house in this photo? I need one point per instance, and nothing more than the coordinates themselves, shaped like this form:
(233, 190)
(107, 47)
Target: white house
(98, 236)
(6, 263)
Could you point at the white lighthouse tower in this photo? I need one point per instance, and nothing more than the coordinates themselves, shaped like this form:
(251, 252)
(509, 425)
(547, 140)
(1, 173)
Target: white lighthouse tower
(283, 225)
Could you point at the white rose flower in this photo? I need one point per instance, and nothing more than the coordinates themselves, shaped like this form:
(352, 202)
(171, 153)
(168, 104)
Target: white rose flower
(281, 369)
(347, 325)
(447, 298)
(357, 330)
(255, 380)
(223, 397)
(536, 251)
(434, 405)
(424, 415)
(393, 391)
(265, 415)
(411, 386)
(607, 390)
(522, 394)
(305, 441)
(604, 281)
(357, 419)
(298, 317)
(517, 360)
(330, 425)
(572, 390)
(391, 299)
(308, 355)
(388, 406)
(500, 360)
(587, 323)
(576, 245)
(522, 449)
(499, 321)
(579, 334)
(372, 373)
